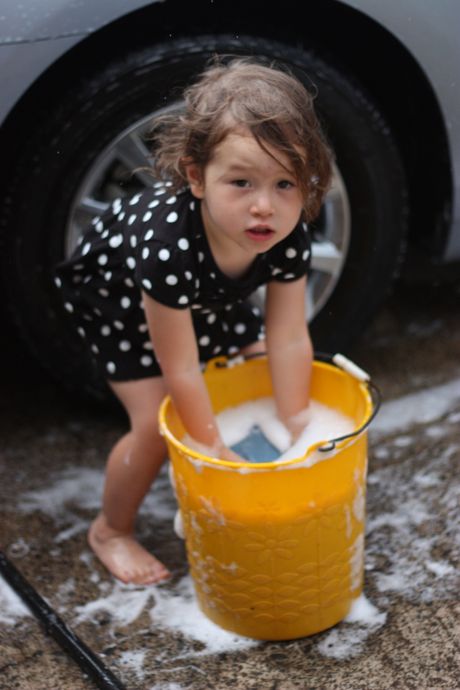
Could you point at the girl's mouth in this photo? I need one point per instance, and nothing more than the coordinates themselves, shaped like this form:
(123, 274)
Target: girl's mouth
(260, 232)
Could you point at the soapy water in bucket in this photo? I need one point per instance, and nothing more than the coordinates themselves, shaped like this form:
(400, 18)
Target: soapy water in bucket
(253, 430)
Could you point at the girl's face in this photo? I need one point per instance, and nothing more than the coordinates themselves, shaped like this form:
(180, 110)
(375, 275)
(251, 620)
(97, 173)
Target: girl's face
(250, 202)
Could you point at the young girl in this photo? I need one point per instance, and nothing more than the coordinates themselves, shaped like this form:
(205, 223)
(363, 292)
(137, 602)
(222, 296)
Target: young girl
(160, 282)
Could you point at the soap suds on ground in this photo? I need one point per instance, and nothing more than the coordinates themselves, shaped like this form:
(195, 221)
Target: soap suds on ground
(402, 505)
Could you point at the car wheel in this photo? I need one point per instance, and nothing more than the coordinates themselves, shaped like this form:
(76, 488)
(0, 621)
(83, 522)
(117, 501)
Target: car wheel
(83, 153)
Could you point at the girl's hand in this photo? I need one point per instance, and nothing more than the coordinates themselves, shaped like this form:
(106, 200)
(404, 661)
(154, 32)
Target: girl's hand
(298, 422)
(219, 451)
(230, 455)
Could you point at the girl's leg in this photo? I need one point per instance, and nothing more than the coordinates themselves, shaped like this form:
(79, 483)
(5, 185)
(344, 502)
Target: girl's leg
(131, 468)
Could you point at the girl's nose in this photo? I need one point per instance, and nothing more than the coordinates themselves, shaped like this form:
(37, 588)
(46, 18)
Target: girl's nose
(262, 205)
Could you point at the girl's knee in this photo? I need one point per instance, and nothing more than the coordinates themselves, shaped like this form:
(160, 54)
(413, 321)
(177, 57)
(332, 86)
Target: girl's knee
(146, 431)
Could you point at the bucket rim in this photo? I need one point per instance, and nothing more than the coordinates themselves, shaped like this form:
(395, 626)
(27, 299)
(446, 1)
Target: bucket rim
(320, 446)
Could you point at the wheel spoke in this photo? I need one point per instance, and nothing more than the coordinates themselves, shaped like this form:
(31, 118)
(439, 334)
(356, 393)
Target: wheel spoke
(310, 307)
(326, 258)
(135, 155)
(335, 194)
(90, 207)
(86, 210)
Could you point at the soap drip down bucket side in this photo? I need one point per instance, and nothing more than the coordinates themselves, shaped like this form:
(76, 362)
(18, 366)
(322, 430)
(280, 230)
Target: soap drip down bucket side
(276, 549)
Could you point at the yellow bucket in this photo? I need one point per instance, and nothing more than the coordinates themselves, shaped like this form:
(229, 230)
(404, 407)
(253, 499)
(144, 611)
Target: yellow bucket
(275, 549)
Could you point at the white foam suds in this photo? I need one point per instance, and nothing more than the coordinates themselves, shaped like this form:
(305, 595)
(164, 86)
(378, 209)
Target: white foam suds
(440, 568)
(343, 642)
(133, 661)
(365, 613)
(124, 604)
(399, 536)
(80, 488)
(170, 608)
(346, 641)
(417, 408)
(11, 606)
(61, 491)
(326, 423)
(179, 611)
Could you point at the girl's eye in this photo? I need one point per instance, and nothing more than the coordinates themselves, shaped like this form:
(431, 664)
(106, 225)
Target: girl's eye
(240, 183)
(285, 184)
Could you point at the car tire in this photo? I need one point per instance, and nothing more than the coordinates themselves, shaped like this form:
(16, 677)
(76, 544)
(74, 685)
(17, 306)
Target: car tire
(70, 133)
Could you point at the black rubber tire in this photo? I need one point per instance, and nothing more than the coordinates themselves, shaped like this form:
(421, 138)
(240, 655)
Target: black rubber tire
(371, 167)
(70, 133)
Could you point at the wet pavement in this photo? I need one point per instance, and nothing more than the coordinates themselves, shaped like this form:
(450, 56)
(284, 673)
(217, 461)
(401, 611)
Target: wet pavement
(51, 462)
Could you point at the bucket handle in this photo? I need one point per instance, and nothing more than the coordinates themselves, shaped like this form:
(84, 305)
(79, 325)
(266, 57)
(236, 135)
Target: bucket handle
(377, 401)
(341, 362)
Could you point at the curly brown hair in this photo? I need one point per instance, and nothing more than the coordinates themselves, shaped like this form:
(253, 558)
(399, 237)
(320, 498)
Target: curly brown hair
(268, 101)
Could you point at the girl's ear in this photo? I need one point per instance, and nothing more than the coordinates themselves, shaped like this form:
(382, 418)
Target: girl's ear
(195, 180)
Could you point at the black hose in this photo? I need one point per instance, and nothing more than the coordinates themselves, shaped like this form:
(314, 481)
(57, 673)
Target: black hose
(88, 661)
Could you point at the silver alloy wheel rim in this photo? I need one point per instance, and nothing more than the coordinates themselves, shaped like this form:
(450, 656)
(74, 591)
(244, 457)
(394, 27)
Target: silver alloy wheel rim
(109, 178)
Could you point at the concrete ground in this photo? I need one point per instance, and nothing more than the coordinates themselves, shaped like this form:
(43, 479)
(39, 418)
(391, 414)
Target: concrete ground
(51, 463)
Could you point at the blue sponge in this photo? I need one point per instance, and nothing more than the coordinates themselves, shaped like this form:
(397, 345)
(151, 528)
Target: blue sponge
(256, 448)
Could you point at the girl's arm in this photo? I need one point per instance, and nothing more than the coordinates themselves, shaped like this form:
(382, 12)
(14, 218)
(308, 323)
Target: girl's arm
(290, 352)
(174, 343)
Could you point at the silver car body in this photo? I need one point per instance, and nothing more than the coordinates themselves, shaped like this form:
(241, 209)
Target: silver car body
(34, 34)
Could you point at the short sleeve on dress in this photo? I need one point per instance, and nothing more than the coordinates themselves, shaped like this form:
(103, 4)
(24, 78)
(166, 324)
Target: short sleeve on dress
(290, 259)
(166, 273)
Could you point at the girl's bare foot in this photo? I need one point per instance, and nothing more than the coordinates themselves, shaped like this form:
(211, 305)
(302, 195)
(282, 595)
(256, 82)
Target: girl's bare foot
(123, 556)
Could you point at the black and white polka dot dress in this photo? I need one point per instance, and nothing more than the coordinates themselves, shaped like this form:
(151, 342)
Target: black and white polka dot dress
(156, 242)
